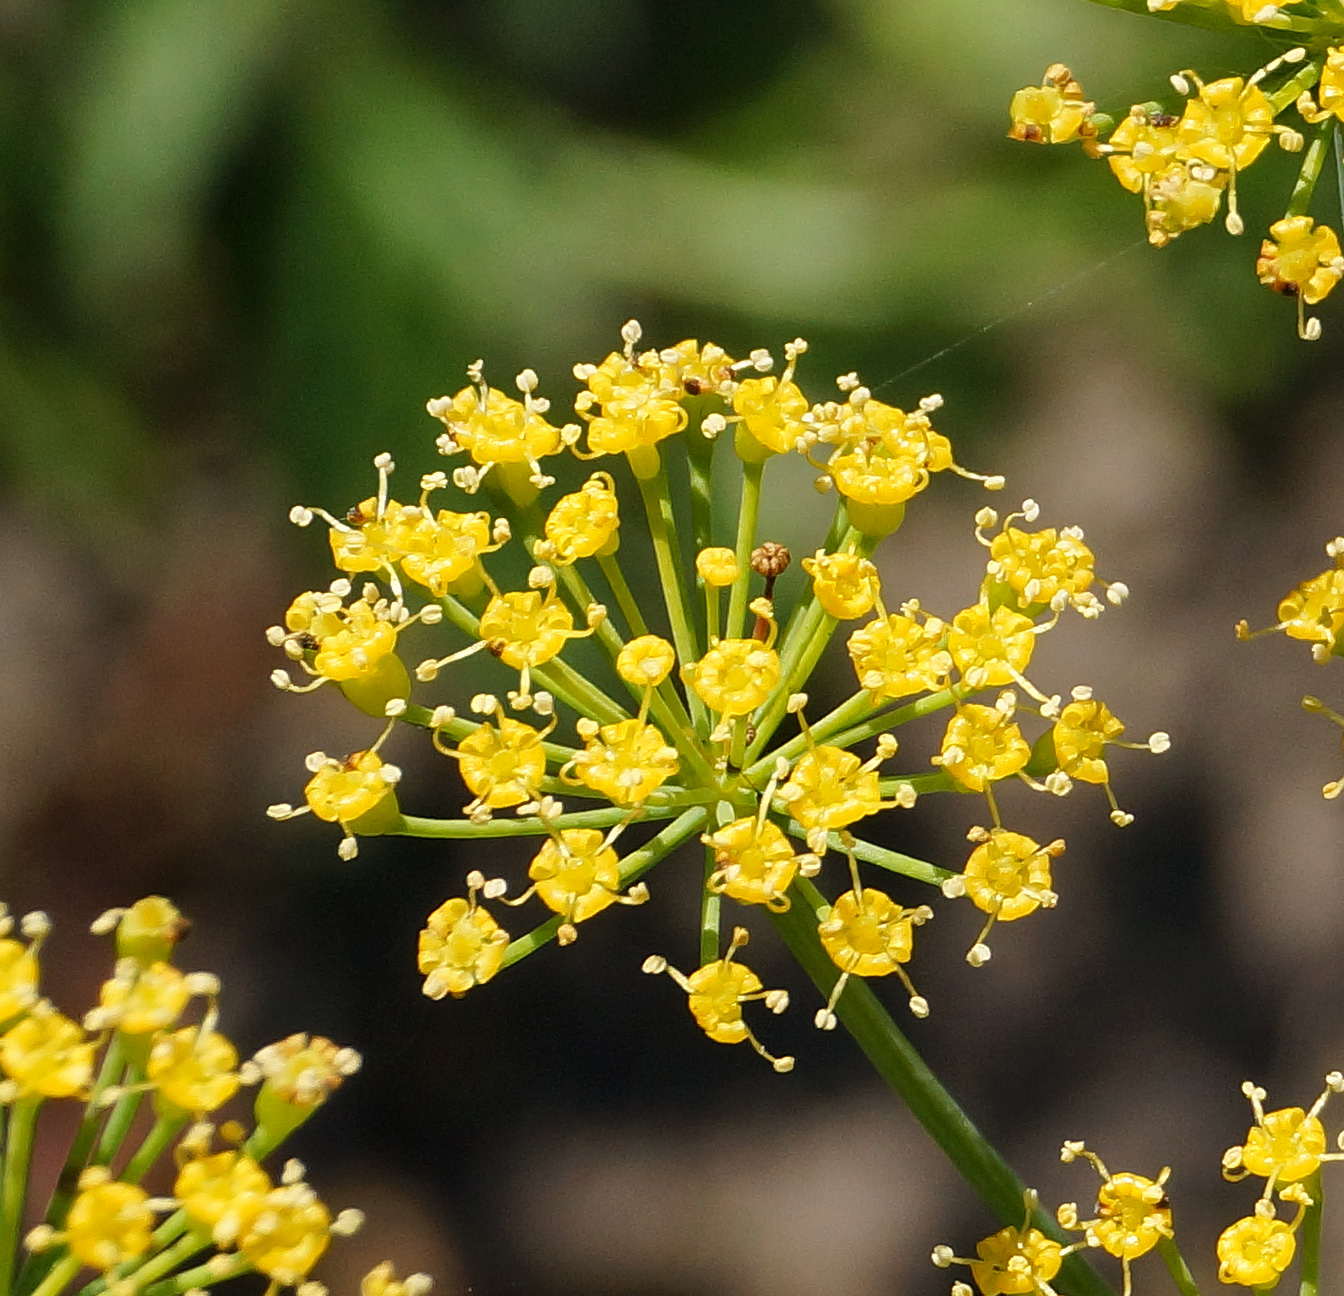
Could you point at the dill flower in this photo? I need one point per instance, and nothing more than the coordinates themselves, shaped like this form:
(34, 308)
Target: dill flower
(1183, 155)
(225, 1215)
(694, 726)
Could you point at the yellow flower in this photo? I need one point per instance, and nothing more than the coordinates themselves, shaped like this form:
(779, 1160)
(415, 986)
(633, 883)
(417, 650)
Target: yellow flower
(1182, 197)
(47, 1055)
(194, 1070)
(897, 655)
(1053, 112)
(109, 1222)
(1008, 875)
(625, 761)
(1283, 1146)
(1141, 147)
(982, 745)
(496, 429)
(646, 661)
(503, 764)
(845, 585)
(453, 545)
(1226, 126)
(461, 946)
(829, 788)
(584, 523)
(716, 993)
(638, 406)
(990, 648)
(212, 1188)
(303, 1071)
(287, 1233)
(1034, 568)
(716, 566)
(1015, 1262)
(577, 875)
(772, 409)
(1301, 259)
(1080, 736)
(753, 863)
(1255, 1251)
(344, 791)
(735, 676)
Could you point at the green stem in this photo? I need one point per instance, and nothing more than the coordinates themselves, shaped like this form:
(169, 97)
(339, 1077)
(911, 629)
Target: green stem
(1291, 90)
(65, 1269)
(166, 1127)
(633, 867)
(1310, 172)
(711, 914)
(14, 1183)
(700, 467)
(892, 861)
(896, 1061)
(119, 1123)
(846, 713)
(1176, 1267)
(625, 599)
(1309, 1235)
(746, 534)
(663, 530)
(459, 829)
(573, 689)
(1339, 166)
(819, 627)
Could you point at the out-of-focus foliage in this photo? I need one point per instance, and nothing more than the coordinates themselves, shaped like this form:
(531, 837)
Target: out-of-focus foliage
(300, 217)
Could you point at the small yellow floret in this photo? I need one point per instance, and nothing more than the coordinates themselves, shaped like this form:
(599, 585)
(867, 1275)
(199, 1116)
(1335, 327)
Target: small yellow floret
(109, 1223)
(194, 1071)
(494, 428)
(735, 676)
(898, 655)
(982, 745)
(1053, 112)
(1080, 737)
(448, 550)
(148, 1000)
(1329, 90)
(845, 585)
(753, 863)
(461, 946)
(525, 628)
(577, 875)
(869, 934)
(303, 1071)
(502, 765)
(1300, 259)
(1227, 126)
(772, 410)
(1255, 1251)
(1038, 565)
(1008, 875)
(646, 662)
(830, 787)
(47, 1055)
(287, 1234)
(625, 762)
(717, 566)
(586, 522)
(1015, 1262)
(990, 648)
(18, 979)
(638, 404)
(213, 1188)
(343, 791)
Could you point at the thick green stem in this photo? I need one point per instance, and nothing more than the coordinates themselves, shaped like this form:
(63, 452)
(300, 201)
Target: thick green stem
(896, 1061)
(64, 1269)
(14, 1183)
(1291, 90)
(892, 861)
(700, 466)
(156, 1141)
(119, 1123)
(625, 599)
(464, 829)
(633, 867)
(711, 914)
(748, 509)
(1176, 1267)
(1309, 1235)
(1310, 172)
(666, 551)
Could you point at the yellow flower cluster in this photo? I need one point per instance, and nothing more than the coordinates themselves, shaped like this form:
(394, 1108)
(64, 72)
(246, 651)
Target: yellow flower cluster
(694, 726)
(1182, 158)
(1133, 1214)
(225, 1215)
(1314, 612)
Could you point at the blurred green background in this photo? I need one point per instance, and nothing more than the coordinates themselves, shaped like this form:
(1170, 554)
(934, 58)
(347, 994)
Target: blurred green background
(243, 241)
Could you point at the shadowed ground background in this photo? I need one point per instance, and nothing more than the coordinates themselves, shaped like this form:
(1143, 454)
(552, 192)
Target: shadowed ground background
(244, 241)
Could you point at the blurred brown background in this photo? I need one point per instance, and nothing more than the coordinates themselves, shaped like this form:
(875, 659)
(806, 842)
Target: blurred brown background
(244, 240)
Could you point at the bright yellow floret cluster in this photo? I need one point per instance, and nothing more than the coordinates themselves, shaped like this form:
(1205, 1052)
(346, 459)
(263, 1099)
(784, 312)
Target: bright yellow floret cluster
(1133, 1215)
(696, 726)
(152, 1045)
(1183, 158)
(1314, 612)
